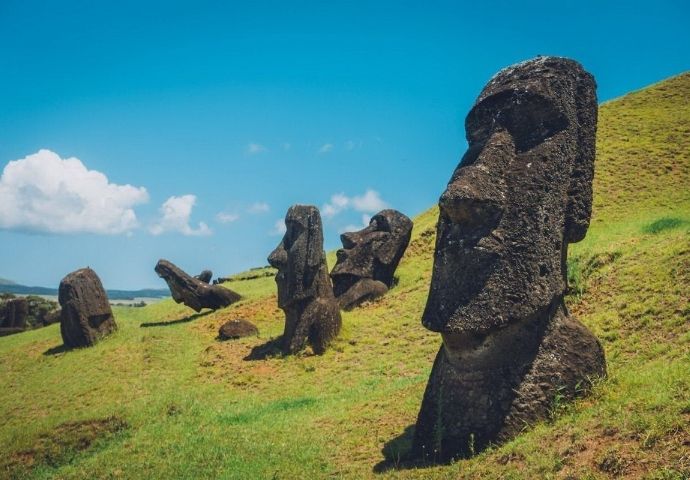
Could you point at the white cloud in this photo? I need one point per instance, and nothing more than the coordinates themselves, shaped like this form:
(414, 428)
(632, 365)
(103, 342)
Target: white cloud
(259, 207)
(45, 193)
(254, 148)
(279, 227)
(353, 228)
(352, 145)
(286, 146)
(224, 217)
(339, 202)
(370, 202)
(176, 212)
(325, 148)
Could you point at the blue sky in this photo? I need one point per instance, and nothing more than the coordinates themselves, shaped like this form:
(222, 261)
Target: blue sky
(207, 120)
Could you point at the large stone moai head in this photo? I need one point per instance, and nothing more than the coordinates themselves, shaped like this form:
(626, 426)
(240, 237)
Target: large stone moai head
(521, 194)
(367, 262)
(304, 289)
(86, 316)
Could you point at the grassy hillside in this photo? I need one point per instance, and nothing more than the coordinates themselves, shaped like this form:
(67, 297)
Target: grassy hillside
(162, 398)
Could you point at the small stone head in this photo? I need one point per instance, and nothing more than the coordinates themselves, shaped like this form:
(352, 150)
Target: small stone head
(521, 193)
(375, 251)
(299, 255)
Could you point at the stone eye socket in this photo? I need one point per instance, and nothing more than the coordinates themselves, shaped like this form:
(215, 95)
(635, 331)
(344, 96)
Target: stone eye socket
(292, 233)
(530, 119)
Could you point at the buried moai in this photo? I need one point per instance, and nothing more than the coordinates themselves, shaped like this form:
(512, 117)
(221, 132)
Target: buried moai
(521, 194)
(191, 291)
(13, 315)
(305, 293)
(86, 316)
(367, 262)
(205, 276)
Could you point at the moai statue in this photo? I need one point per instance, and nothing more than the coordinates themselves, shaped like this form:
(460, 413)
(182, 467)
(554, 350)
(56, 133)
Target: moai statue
(194, 293)
(86, 316)
(304, 289)
(13, 316)
(367, 262)
(520, 195)
(205, 276)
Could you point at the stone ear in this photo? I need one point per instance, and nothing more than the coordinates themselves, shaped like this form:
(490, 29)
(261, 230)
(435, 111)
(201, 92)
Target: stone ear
(386, 252)
(579, 209)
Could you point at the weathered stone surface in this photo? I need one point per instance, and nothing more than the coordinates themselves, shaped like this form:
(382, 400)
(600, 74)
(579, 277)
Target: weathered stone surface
(14, 312)
(521, 194)
(205, 276)
(367, 262)
(304, 288)
(86, 316)
(193, 292)
(13, 315)
(237, 328)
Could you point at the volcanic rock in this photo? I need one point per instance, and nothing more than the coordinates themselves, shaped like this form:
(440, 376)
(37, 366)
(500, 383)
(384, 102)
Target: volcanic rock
(367, 262)
(521, 194)
(305, 293)
(237, 328)
(205, 276)
(193, 292)
(86, 316)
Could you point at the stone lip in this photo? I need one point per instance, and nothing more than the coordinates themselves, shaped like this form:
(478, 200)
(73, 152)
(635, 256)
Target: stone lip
(305, 293)
(86, 316)
(367, 262)
(193, 292)
(237, 328)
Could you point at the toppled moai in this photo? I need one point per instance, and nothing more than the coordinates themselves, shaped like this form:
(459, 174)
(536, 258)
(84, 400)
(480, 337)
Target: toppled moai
(304, 288)
(13, 315)
(193, 292)
(366, 264)
(86, 316)
(205, 276)
(520, 195)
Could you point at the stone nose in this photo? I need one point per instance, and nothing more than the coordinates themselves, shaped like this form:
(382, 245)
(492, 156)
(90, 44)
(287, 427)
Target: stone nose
(468, 201)
(278, 257)
(349, 239)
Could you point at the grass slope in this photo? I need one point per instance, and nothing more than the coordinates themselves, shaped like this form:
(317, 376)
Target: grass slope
(162, 398)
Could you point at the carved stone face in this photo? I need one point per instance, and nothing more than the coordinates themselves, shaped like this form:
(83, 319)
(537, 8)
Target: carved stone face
(299, 255)
(521, 193)
(373, 252)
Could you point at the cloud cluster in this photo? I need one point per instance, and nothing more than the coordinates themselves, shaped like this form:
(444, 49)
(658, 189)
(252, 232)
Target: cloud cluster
(255, 148)
(47, 194)
(225, 217)
(258, 207)
(175, 216)
(326, 148)
(369, 202)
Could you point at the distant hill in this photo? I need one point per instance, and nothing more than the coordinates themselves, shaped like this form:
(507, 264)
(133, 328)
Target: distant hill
(4, 281)
(7, 286)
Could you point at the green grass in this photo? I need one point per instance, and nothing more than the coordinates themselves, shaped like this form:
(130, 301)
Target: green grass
(188, 406)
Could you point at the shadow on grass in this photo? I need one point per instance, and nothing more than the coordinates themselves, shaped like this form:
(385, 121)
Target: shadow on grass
(396, 453)
(266, 350)
(57, 350)
(175, 322)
